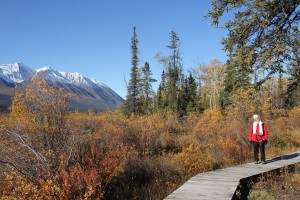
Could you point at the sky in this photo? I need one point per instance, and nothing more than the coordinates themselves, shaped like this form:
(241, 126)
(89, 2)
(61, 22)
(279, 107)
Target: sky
(93, 37)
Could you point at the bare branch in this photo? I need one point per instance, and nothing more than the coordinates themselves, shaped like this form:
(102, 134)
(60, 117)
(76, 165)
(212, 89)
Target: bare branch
(22, 142)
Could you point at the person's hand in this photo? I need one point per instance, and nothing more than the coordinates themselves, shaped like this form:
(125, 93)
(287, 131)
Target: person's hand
(266, 141)
(251, 142)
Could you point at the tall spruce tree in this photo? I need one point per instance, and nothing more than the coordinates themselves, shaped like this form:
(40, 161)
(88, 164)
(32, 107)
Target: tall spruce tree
(182, 97)
(174, 73)
(191, 93)
(160, 101)
(133, 99)
(147, 91)
(172, 87)
(235, 78)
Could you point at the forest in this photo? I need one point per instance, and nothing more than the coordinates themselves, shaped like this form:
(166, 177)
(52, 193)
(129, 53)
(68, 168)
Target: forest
(157, 140)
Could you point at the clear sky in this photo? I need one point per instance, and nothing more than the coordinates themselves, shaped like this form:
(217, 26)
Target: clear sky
(93, 37)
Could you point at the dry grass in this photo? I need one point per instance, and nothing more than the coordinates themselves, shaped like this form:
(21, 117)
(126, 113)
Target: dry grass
(285, 185)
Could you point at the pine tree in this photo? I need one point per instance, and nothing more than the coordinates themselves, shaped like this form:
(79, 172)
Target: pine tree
(261, 34)
(263, 39)
(292, 95)
(173, 78)
(235, 77)
(147, 91)
(133, 98)
(191, 93)
(199, 101)
(174, 72)
(161, 93)
(293, 89)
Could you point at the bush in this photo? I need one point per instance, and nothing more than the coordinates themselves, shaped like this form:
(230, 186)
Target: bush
(277, 141)
(192, 160)
(260, 195)
(111, 156)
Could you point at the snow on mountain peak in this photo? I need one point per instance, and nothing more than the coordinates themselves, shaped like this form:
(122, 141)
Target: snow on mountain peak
(90, 92)
(16, 73)
(98, 82)
(74, 78)
(80, 80)
(46, 68)
(52, 75)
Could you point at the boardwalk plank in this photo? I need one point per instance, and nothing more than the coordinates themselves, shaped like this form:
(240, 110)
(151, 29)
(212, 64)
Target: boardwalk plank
(222, 183)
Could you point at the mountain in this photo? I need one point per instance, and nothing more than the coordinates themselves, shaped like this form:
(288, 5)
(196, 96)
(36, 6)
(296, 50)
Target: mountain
(6, 92)
(86, 93)
(15, 73)
(10, 74)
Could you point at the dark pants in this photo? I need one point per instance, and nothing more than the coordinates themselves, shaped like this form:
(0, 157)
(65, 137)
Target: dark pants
(259, 146)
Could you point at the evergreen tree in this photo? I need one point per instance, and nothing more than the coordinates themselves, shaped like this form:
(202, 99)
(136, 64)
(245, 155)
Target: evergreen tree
(133, 98)
(199, 102)
(263, 39)
(169, 91)
(191, 93)
(182, 97)
(261, 34)
(235, 77)
(147, 91)
(293, 89)
(161, 93)
(159, 98)
(174, 73)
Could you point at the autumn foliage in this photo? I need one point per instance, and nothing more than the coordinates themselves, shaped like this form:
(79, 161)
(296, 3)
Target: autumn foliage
(48, 153)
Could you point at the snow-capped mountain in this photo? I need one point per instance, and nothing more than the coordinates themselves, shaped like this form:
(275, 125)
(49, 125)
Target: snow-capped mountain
(75, 78)
(15, 73)
(86, 93)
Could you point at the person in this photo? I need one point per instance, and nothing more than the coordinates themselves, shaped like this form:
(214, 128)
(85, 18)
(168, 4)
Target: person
(258, 137)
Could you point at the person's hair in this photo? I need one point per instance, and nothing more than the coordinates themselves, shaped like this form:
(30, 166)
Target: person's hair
(256, 117)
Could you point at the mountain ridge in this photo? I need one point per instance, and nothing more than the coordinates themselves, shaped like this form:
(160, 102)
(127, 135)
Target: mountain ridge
(87, 93)
(15, 73)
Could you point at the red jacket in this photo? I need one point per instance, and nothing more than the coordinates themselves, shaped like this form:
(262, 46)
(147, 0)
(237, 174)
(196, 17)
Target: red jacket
(258, 137)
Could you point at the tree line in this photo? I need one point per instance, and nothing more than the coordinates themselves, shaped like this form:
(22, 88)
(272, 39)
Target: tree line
(214, 85)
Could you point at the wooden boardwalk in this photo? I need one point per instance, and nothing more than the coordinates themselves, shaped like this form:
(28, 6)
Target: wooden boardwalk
(222, 184)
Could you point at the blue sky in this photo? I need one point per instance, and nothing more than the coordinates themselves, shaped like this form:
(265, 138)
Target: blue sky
(93, 37)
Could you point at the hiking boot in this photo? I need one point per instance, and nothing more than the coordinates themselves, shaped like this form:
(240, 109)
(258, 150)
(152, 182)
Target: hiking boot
(256, 162)
(264, 162)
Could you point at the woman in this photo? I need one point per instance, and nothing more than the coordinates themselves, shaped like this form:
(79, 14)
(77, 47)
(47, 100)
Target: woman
(258, 136)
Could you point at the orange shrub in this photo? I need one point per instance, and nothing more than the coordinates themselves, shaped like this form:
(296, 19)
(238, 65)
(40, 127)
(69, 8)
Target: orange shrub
(111, 156)
(294, 116)
(192, 160)
(16, 186)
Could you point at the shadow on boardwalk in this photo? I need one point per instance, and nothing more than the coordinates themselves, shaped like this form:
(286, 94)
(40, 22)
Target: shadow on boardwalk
(284, 157)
